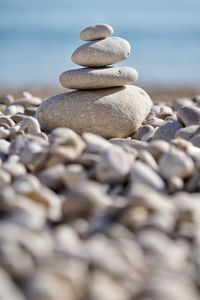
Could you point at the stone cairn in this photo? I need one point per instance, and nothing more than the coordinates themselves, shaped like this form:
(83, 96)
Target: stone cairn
(104, 101)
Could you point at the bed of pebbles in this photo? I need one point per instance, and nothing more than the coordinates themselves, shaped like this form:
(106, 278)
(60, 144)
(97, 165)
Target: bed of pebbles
(85, 218)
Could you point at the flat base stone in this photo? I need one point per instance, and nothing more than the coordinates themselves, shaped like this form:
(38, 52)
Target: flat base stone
(116, 112)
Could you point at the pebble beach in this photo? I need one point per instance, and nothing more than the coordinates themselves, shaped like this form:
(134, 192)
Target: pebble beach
(100, 186)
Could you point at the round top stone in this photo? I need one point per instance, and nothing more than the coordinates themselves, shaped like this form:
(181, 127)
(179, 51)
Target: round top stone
(96, 32)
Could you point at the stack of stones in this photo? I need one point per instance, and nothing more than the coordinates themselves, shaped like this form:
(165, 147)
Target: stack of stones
(104, 101)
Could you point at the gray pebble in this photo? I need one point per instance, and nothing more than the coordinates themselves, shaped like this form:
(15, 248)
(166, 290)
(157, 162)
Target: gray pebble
(187, 132)
(195, 140)
(167, 131)
(189, 115)
(8, 290)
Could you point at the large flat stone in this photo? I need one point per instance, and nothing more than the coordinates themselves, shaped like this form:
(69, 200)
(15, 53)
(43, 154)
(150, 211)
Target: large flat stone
(101, 53)
(116, 112)
(89, 78)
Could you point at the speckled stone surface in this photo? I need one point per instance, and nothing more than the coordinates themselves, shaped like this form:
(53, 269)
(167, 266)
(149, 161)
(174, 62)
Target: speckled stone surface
(96, 32)
(116, 112)
(101, 53)
(89, 78)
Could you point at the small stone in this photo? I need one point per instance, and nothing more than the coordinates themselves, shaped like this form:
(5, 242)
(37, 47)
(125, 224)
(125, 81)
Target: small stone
(4, 147)
(148, 137)
(74, 175)
(95, 143)
(175, 184)
(144, 129)
(8, 290)
(50, 286)
(113, 166)
(112, 289)
(15, 169)
(6, 99)
(100, 78)
(193, 183)
(49, 200)
(30, 125)
(116, 112)
(102, 53)
(4, 133)
(14, 109)
(26, 184)
(96, 32)
(6, 120)
(187, 132)
(195, 140)
(189, 115)
(165, 111)
(158, 147)
(85, 199)
(179, 103)
(5, 178)
(176, 163)
(167, 131)
(141, 173)
(65, 145)
(148, 159)
(52, 177)
(28, 100)
(87, 159)
(196, 99)
(138, 145)
(154, 121)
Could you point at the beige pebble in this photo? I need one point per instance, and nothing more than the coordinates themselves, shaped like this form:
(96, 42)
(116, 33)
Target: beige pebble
(176, 163)
(4, 133)
(47, 198)
(113, 166)
(5, 178)
(15, 169)
(52, 177)
(99, 78)
(14, 109)
(95, 143)
(102, 52)
(7, 120)
(6, 99)
(4, 146)
(96, 32)
(116, 112)
(142, 173)
(74, 175)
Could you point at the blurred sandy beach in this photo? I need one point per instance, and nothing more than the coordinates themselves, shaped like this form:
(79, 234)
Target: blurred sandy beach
(157, 94)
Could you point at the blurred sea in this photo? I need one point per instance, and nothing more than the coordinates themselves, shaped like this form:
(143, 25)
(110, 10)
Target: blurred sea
(37, 38)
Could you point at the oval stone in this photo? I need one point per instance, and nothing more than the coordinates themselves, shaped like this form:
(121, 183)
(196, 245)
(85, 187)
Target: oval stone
(101, 53)
(89, 78)
(115, 112)
(96, 32)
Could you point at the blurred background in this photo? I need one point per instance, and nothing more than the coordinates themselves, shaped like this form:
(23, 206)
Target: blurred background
(37, 38)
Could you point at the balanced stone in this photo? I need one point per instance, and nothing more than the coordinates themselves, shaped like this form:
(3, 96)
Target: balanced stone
(114, 112)
(96, 32)
(89, 78)
(101, 53)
